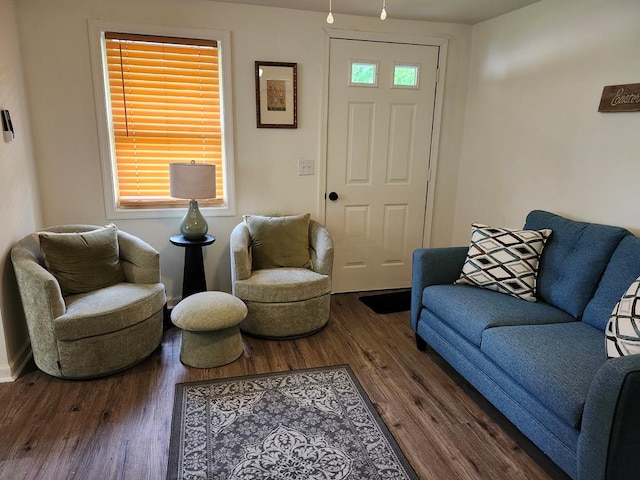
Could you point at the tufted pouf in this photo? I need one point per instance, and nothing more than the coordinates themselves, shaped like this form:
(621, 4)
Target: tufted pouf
(210, 333)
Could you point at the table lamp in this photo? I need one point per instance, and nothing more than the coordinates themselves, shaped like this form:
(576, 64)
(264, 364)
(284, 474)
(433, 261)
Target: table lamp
(193, 181)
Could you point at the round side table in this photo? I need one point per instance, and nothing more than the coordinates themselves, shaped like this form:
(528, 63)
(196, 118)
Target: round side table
(193, 279)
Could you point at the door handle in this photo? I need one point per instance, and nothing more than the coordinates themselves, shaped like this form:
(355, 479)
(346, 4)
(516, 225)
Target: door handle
(333, 196)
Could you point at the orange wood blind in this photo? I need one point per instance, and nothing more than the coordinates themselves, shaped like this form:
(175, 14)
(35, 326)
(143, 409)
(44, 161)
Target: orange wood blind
(165, 107)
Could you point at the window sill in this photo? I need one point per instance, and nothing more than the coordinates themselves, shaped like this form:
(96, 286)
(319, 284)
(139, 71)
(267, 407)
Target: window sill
(177, 212)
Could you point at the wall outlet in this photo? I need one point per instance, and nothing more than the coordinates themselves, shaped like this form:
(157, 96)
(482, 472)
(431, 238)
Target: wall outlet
(305, 166)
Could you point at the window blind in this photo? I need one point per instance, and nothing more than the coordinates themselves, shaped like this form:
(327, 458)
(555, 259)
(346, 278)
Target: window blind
(165, 107)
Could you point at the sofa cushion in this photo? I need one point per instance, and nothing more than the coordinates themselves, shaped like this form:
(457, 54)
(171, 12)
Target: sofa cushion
(504, 392)
(621, 271)
(623, 329)
(504, 260)
(279, 241)
(283, 285)
(83, 261)
(108, 310)
(556, 363)
(470, 310)
(573, 260)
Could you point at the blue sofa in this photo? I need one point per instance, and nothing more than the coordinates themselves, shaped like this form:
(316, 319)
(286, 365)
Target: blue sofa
(543, 364)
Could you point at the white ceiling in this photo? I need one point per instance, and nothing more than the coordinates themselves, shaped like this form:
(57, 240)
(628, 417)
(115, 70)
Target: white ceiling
(455, 11)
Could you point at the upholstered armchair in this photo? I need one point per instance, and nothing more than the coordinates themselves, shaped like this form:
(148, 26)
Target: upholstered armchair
(281, 268)
(92, 298)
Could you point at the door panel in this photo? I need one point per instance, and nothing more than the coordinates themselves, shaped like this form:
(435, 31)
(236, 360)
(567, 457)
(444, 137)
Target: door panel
(400, 141)
(359, 159)
(379, 144)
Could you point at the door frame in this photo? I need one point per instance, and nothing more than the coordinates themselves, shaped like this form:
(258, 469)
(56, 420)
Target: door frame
(442, 44)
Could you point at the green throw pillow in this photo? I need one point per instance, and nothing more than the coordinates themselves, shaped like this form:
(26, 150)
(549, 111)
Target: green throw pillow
(279, 241)
(83, 261)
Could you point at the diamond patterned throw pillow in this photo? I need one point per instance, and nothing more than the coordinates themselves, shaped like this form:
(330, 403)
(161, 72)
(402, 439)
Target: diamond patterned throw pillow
(623, 329)
(504, 260)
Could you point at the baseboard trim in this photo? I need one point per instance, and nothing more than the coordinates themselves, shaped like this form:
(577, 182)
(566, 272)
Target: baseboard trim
(17, 364)
(5, 375)
(173, 301)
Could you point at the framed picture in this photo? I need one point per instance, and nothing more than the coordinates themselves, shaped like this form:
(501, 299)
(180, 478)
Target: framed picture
(277, 95)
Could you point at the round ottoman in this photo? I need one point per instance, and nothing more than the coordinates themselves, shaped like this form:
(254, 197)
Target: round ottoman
(210, 333)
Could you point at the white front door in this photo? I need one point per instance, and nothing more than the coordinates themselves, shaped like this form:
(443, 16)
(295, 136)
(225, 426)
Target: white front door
(380, 119)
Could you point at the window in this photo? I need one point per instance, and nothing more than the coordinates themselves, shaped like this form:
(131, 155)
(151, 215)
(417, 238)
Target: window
(163, 102)
(364, 74)
(406, 76)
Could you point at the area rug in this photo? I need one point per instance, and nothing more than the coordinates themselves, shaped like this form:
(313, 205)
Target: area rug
(388, 302)
(302, 424)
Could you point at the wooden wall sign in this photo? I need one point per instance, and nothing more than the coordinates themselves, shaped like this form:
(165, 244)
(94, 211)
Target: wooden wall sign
(620, 98)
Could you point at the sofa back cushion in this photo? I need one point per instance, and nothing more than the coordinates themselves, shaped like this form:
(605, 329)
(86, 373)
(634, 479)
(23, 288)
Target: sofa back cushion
(621, 271)
(573, 260)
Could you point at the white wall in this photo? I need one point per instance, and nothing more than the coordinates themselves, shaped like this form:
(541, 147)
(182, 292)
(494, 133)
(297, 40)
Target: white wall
(55, 51)
(533, 137)
(19, 202)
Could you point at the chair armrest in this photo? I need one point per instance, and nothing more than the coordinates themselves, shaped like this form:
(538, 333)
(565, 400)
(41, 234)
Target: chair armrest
(433, 266)
(140, 261)
(240, 251)
(42, 302)
(321, 249)
(40, 292)
(610, 434)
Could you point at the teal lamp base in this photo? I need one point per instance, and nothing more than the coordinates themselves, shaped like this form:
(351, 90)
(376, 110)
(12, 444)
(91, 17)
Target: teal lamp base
(193, 226)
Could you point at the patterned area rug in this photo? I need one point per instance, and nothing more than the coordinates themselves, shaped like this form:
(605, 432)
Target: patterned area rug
(302, 424)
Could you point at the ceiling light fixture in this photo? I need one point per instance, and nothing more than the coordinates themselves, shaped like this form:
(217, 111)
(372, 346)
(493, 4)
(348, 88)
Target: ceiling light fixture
(383, 12)
(330, 16)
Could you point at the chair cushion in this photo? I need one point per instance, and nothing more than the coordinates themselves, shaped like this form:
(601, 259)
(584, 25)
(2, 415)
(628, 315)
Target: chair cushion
(83, 261)
(108, 310)
(504, 260)
(279, 241)
(470, 310)
(573, 260)
(276, 285)
(621, 271)
(556, 363)
(208, 311)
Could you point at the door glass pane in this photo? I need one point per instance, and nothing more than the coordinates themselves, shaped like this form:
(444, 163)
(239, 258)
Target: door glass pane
(406, 76)
(364, 73)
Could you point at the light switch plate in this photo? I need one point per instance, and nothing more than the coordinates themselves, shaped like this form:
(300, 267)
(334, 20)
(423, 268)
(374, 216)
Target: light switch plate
(305, 166)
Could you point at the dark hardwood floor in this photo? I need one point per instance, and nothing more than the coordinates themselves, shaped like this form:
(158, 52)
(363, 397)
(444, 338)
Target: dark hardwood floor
(118, 427)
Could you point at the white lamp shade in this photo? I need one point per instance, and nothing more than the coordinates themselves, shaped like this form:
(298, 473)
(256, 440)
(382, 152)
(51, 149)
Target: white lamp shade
(192, 180)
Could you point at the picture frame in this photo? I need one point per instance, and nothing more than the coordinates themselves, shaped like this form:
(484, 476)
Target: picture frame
(276, 94)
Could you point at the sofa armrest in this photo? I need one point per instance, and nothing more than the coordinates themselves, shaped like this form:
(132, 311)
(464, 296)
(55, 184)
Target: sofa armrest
(321, 249)
(140, 261)
(240, 251)
(610, 434)
(433, 266)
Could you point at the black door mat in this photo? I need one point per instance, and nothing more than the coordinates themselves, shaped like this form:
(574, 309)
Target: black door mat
(388, 302)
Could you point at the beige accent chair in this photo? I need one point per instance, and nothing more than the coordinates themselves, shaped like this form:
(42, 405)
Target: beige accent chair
(95, 333)
(284, 302)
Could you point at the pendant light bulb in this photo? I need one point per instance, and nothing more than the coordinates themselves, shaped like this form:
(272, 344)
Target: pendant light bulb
(383, 13)
(330, 18)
